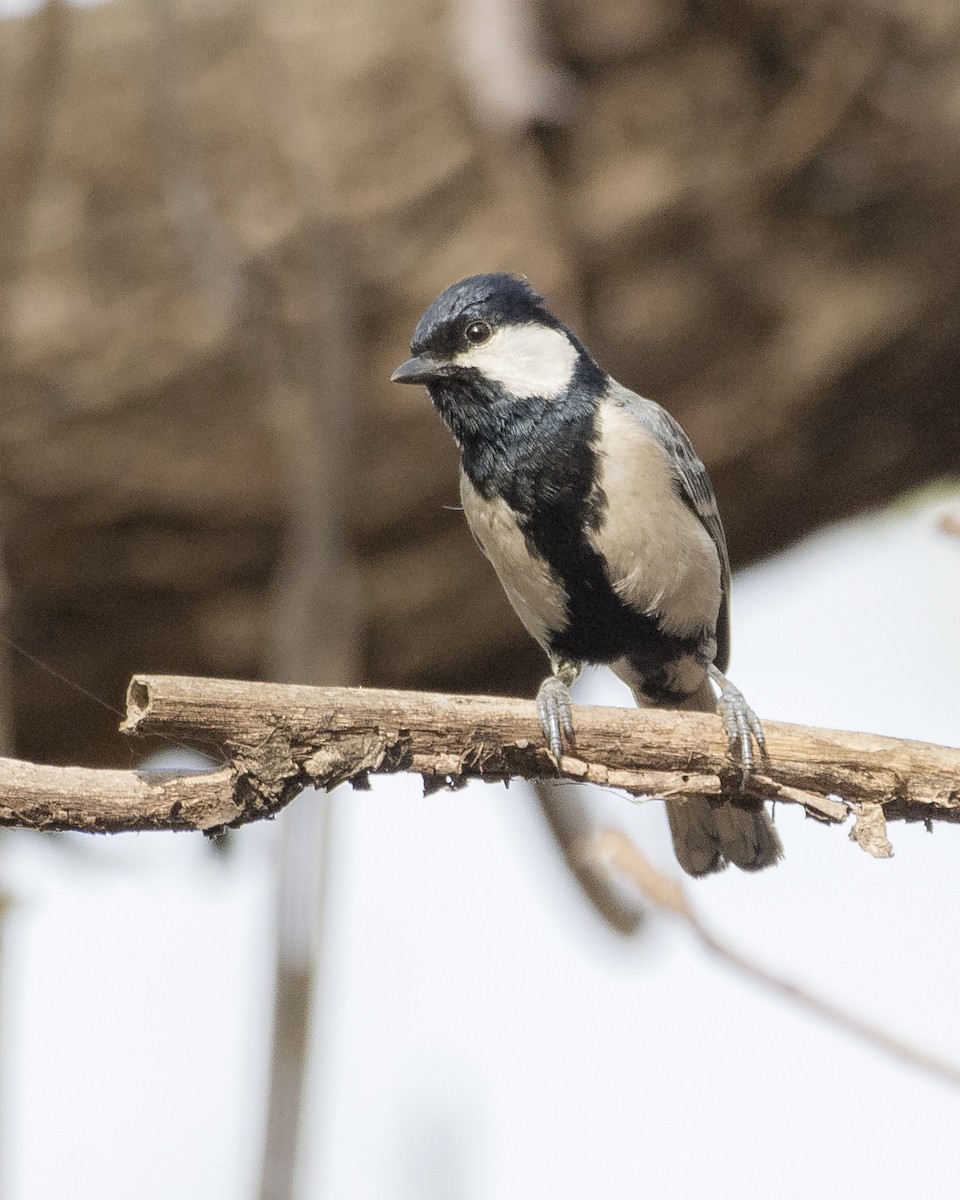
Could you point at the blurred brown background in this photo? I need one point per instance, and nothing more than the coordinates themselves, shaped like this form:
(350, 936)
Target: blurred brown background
(220, 221)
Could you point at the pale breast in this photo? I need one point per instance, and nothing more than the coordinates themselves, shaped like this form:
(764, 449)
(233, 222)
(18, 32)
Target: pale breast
(537, 598)
(660, 558)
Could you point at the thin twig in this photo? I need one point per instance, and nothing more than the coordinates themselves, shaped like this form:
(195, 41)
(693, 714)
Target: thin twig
(615, 848)
(569, 821)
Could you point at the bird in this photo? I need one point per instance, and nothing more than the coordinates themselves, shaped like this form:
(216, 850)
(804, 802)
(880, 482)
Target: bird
(602, 525)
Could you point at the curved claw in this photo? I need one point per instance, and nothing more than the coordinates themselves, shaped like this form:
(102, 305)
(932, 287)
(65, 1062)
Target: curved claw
(554, 713)
(741, 723)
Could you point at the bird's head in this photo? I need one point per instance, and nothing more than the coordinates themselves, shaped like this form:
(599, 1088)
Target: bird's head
(488, 346)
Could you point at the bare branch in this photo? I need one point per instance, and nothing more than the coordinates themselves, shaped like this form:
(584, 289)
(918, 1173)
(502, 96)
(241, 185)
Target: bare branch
(281, 738)
(28, 98)
(88, 801)
(302, 332)
(616, 849)
(341, 733)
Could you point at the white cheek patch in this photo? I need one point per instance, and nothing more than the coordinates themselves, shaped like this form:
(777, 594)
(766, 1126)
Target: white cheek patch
(525, 360)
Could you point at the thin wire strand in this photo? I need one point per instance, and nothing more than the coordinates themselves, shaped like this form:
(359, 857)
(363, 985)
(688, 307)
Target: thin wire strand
(95, 699)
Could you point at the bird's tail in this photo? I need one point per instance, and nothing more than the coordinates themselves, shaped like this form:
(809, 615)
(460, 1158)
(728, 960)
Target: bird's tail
(707, 836)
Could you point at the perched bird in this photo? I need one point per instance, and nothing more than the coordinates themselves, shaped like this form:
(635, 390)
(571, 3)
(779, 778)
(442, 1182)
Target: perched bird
(602, 525)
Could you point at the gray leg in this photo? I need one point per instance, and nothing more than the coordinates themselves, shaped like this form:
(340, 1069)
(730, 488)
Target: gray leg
(553, 705)
(740, 722)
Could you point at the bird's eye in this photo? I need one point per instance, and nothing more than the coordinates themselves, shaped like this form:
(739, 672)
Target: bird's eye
(477, 332)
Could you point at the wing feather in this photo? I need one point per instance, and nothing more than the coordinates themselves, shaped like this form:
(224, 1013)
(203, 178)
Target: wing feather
(693, 485)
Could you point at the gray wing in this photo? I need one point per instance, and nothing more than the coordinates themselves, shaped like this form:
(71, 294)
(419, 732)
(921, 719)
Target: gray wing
(693, 484)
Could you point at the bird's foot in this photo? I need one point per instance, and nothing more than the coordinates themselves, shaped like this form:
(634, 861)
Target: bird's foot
(553, 707)
(741, 723)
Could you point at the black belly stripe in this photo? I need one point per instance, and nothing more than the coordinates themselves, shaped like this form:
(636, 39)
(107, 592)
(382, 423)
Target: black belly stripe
(602, 629)
(546, 471)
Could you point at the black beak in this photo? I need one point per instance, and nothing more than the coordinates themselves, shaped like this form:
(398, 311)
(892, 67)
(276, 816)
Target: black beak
(418, 370)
